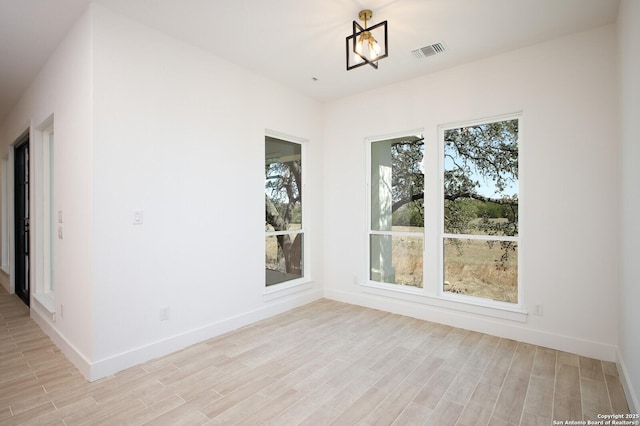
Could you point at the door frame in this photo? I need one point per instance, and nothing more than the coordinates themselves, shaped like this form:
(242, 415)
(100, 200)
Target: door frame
(23, 139)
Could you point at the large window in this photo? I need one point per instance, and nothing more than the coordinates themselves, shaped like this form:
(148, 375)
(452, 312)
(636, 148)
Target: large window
(480, 210)
(442, 223)
(396, 225)
(284, 242)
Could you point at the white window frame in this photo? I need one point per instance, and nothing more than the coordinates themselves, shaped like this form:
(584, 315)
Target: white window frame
(467, 298)
(369, 231)
(44, 222)
(432, 293)
(287, 287)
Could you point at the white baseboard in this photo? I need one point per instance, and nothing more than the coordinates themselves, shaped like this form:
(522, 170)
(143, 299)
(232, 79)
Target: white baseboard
(629, 391)
(70, 351)
(505, 329)
(124, 360)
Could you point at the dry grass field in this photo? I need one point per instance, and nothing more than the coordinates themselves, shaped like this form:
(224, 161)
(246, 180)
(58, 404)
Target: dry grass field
(274, 260)
(271, 255)
(407, 260)
(473, 268)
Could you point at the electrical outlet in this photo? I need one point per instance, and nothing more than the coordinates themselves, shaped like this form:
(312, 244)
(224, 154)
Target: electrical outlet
(538, 310)
(164, 313)
(61, 311)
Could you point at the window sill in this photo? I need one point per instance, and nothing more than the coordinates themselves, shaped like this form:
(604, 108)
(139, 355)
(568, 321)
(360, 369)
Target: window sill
(47, 302)
(277, 291)
(454, 302)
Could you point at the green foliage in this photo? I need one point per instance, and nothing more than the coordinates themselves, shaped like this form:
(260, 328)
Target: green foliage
(406, 159)
(458, 215)
(411, 214)
(480, 156)
(296, 214)
(490, 210)
(489, 151)
(282, 193)
(408, 183)
(283, 197)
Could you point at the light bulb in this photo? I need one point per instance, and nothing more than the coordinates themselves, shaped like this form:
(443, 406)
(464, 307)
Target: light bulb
(376, 47)
(373, 47)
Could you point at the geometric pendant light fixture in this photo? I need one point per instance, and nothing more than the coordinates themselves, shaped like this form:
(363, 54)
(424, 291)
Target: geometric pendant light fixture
(366, 45)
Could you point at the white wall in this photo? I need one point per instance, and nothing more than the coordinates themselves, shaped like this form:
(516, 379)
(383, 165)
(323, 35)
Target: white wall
(568, 164)
(179, 134)
(145, 122)
(629, 337)
(63, 88)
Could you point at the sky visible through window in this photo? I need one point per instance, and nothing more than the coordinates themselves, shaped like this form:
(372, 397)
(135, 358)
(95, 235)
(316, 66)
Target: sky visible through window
(486, 188)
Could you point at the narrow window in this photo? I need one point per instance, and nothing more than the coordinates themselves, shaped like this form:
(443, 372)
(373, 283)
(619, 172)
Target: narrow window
(284, 243)
(48, 210)
(480, 210)
(5, 214)
(396, 201)
(44, 219)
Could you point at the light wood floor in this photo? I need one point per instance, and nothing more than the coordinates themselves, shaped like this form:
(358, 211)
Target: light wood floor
(324, 363)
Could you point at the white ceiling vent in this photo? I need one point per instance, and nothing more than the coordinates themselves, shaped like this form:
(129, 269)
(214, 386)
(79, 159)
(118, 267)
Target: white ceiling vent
(430, 50)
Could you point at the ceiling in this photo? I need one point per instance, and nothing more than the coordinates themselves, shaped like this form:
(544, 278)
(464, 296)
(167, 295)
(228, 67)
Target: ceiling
(301, 43)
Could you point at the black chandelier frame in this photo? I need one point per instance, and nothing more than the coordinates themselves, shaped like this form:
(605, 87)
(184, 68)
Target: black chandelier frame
(352, 41)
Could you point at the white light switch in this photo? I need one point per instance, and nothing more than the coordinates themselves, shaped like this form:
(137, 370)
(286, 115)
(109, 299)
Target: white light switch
(137, 217)
(59, 216)
(60, 232)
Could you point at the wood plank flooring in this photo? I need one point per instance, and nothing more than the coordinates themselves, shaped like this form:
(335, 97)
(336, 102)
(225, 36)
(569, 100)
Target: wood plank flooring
(324, 363)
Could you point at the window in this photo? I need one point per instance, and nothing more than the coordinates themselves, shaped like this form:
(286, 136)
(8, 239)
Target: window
(396, 219)
(442, 217)
(5, 214)
(480, 210)
(284, 242)
(45, 230)
(47, 209)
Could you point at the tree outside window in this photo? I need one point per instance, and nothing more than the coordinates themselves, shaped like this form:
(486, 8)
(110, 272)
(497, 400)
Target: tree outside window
(480, 215)
(284, 259)
(479, 210)
(396, 235)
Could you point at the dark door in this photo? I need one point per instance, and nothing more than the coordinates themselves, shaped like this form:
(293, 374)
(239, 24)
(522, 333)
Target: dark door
(21, 203)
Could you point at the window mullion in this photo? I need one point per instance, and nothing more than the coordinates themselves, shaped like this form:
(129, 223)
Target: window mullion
(481, 237)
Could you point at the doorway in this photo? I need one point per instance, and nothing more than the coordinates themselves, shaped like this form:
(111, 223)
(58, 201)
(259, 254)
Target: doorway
(21, 215)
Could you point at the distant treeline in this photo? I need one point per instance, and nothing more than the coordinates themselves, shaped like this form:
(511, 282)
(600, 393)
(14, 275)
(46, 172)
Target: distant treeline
(411, 214)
